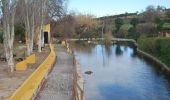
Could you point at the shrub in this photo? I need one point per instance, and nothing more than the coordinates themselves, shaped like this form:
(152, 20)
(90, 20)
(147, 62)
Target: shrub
(158, 47)
(163, 50)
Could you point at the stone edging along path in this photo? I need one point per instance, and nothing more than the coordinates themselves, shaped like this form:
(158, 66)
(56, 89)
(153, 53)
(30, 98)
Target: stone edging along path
(32, 85)
(153, 59)
(78, 88)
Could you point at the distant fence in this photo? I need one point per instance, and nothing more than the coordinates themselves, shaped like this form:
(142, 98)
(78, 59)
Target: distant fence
(99, 39)
(31, 86)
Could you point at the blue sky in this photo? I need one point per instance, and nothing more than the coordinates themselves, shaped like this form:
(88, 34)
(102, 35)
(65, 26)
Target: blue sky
(112, 7)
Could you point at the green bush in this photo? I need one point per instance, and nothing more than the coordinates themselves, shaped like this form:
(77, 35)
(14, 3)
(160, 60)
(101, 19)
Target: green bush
(158, 47)
(163, 50)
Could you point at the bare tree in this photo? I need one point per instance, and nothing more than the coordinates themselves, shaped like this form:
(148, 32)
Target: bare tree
(29, 20)
(42, 4)
(56, 8)
(150, 13)
(8, 12)
(48, 10)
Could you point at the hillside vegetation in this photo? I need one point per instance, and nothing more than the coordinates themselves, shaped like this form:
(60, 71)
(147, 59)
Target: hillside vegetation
(150, 22)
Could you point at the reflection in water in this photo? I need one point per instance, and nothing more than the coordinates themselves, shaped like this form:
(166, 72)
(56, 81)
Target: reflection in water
(125, 48)
(83, 47)
(108, 49)
(125, 77)
(118, 50)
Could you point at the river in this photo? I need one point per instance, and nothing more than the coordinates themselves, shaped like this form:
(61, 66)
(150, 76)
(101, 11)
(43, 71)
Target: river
(120, 74)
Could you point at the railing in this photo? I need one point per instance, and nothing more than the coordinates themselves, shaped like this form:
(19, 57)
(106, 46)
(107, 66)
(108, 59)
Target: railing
(78, 93)
(113, 39)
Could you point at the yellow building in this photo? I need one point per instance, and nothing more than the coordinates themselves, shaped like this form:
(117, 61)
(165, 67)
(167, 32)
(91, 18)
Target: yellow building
(47, 35)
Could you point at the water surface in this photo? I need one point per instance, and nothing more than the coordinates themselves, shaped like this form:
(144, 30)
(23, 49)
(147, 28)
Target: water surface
(119, 74)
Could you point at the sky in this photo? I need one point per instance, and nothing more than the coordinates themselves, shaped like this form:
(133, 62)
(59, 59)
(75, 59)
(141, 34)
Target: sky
(112, 7)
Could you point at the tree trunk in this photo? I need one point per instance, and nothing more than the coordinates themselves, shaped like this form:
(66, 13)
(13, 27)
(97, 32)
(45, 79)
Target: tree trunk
(29, 23)
(41, 28)
(8, 10)
(40, 37)
(39, 40)
(32, 33)
(11, 60)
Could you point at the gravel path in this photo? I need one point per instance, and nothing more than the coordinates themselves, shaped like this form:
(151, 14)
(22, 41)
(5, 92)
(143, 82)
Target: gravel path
(60, 80)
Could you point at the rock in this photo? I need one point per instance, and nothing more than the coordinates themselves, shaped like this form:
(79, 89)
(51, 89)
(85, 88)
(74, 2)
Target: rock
(88, 72)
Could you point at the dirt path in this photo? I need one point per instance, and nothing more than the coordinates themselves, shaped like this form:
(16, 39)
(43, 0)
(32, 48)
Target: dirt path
(60, 80)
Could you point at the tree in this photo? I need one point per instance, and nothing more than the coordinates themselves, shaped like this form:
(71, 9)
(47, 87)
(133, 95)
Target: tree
(8, 13)
(159, 23)
(168, 13)
(29, 20)
(132, 30)
(146, 28)
(84, 23)
(56, 8)
(118, 23)
(76, 25)
(134, 22)
(48, 10)
(42, 13)
(152, 12)
(160, 10)
(65, 26)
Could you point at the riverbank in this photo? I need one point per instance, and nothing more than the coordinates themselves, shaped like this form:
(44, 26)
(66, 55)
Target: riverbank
(158, 49)
(140, 52)
(142, 49)
(154, 49)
